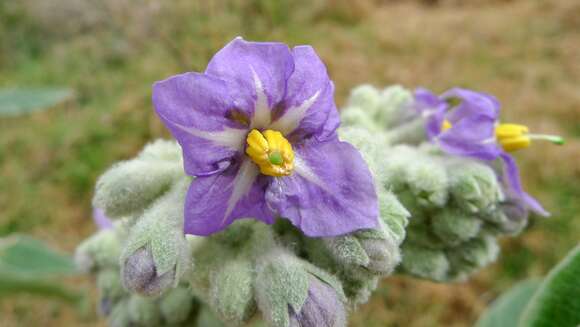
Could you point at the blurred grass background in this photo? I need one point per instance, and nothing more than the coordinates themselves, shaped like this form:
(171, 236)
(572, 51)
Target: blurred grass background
(111, 51)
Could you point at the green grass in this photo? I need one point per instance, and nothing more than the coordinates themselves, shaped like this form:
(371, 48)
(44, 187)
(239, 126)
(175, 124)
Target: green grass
(110, 52)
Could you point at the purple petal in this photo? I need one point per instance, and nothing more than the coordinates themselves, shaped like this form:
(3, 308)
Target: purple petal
(472, 103)
(308, 108)
(195, 108)
(256, 73)
(432, 108)
(214, 202)
(101, 220)
(513, 179)
(330, 193)
(472, 136)
(426, 100)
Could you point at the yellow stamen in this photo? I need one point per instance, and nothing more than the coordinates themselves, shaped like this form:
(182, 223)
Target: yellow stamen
(446, 125)
(513, 137)
(271, 151)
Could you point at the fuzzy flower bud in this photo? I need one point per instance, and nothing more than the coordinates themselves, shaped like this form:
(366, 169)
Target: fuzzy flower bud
(322, 308)
(177, 305)
(129, 187)
(120, 315)
(111, 290)
(231, 291)
(290, 292)
(143, 311)
(381, 108)
(156, 252)
(100, 251)
(394, 106)
(473, 185)
(364, 96)
(140, 274)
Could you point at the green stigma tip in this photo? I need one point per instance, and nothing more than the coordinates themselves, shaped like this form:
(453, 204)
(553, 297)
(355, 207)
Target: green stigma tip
(276, 158)
(559, 141)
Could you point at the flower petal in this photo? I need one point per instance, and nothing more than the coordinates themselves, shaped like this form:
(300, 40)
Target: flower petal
(256, 73)
(330, 193)
(513, 179)
(472, 103)
(214, 202)
(431, 108)
(195, 108)
(308, 108)
(472, 136)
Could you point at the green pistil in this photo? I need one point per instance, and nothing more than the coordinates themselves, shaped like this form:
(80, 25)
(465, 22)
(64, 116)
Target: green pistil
(550, 138)
(275, 158)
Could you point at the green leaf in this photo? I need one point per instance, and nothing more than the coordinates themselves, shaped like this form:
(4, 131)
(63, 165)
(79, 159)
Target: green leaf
(507, 309)
(17, 102)
(29, 258)
(27, 265)
(557, 301)
(11, 284)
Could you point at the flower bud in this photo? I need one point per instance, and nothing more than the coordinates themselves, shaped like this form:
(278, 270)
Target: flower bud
(322, 308)
(140, 274)
(365, 97)
(357, 118)
(231, 291)
(207, 318)
(110, 289)
(473, 255)
(177, 305)
(454, 226)
(394, 107)
(120, 315)
(167, 150)
(156, 253)
(100, 251)
(425, 263)
(473, 185)
(143, 311)
(393, 214)
(290, 292)
(509, 217)
(130, 186)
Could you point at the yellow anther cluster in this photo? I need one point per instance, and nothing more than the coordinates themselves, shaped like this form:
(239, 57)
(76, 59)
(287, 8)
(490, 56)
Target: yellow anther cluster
(271, 151)
(446, 125)
(512, 137)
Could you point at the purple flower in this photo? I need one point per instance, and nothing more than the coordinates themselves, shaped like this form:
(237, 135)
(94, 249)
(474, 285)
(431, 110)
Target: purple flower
(258, 130)
(471, 128)
(101, 220)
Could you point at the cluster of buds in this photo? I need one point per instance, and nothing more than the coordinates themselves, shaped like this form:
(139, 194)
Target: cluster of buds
(440, 217)
(458, 205)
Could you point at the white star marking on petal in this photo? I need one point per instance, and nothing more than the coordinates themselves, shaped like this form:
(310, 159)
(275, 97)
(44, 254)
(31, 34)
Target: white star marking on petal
(302, 169)
(228, 137)
(242, 184)
(293, 116)
(262, 114)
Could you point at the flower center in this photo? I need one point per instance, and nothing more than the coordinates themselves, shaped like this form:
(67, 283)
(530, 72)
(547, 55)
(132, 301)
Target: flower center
(271, 151)
(513, 137)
